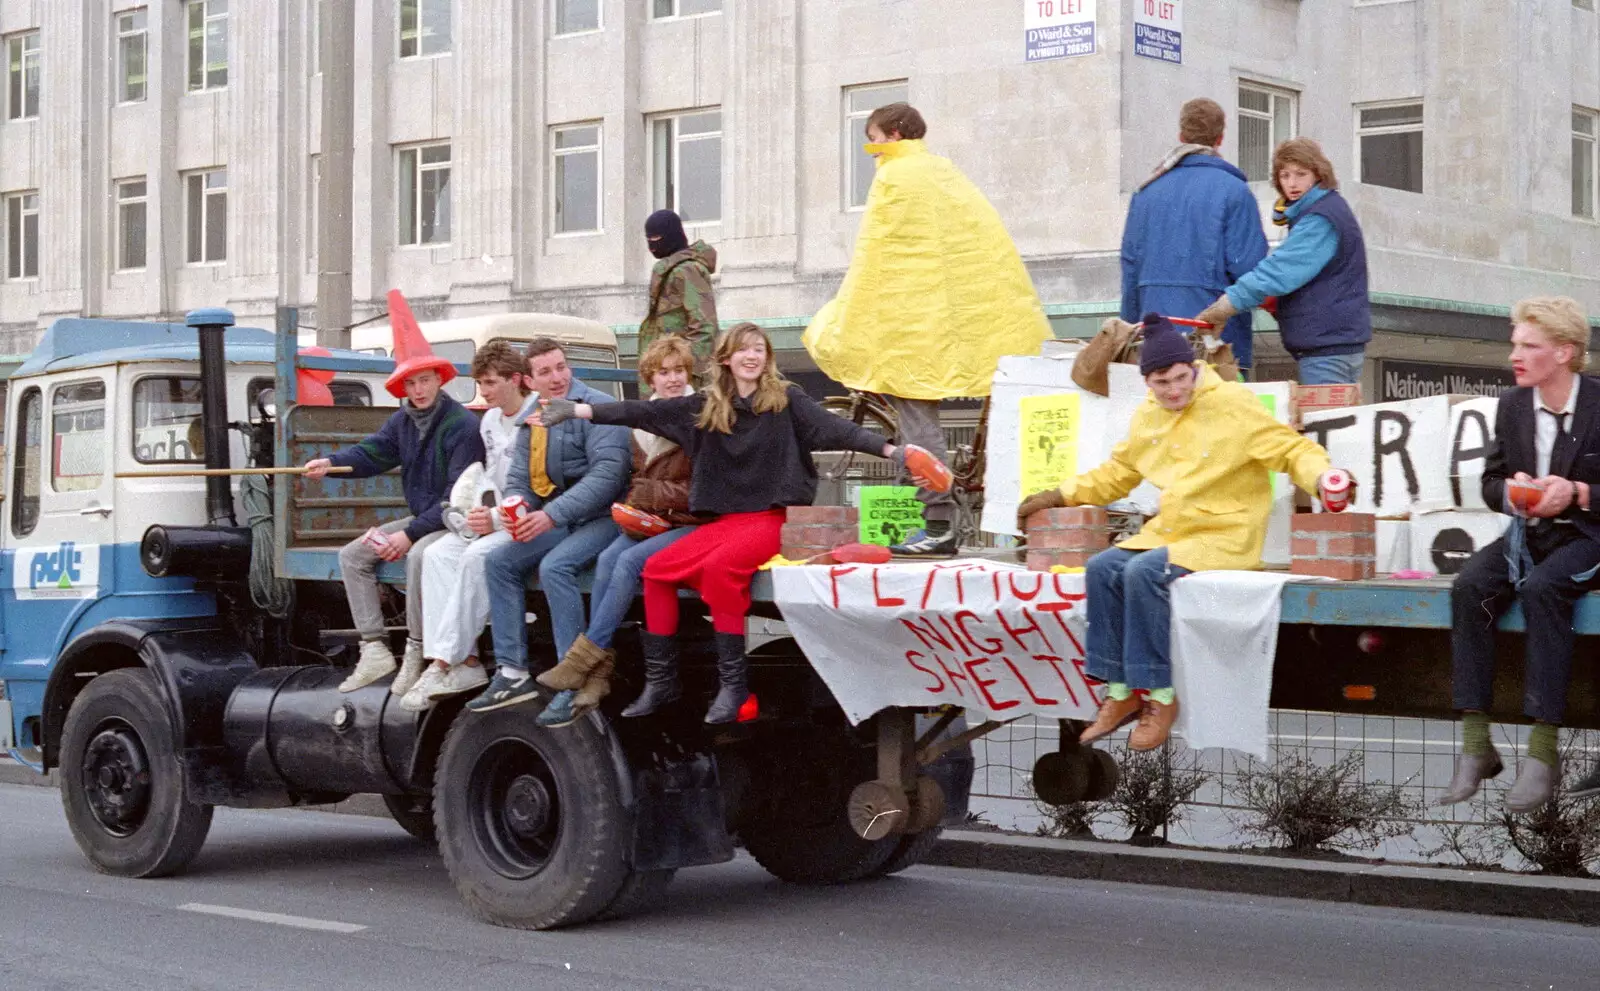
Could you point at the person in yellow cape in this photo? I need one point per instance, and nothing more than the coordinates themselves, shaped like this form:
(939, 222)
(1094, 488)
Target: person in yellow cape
(936, 294)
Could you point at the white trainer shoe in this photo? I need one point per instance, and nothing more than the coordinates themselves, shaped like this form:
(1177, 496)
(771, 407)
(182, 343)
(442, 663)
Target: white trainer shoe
(435, 685)
(410, 669)
(376, 661)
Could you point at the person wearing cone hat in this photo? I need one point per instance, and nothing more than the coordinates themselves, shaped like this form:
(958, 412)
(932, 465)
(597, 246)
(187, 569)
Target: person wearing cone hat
(432, 439)
(1211, 448)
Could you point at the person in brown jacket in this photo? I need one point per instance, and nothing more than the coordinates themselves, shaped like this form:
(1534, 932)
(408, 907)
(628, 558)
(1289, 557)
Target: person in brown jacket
(660, 488)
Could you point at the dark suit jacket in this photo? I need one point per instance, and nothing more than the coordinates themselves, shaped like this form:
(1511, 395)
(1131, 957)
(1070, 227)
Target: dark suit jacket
(1576, 455)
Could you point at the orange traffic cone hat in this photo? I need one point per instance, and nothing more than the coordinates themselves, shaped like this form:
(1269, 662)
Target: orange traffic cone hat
(411, 351)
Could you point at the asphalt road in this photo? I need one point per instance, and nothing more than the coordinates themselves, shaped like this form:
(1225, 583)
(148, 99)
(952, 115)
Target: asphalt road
(350, 902)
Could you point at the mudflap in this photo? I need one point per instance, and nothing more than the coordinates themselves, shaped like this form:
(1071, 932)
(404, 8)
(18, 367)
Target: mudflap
(679, 819)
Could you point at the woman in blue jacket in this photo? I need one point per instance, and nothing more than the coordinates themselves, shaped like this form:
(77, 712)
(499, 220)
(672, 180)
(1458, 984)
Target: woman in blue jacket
(1318, 273)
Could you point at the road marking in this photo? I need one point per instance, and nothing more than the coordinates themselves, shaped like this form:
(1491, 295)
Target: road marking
(297, 921)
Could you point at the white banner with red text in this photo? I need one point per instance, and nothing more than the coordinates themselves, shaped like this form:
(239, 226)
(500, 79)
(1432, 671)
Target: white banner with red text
(993, 638)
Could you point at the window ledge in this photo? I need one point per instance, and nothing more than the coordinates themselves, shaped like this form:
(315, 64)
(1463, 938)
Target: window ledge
(573, 235)
(216, 264)
(578, 34)
(425, 246)
(685, 17)
(422, 58)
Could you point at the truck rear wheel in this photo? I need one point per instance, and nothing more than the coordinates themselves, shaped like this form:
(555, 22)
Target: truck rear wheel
(909, 851)
(531, 824)
(806, 836)
(414, 814)
(122, 786)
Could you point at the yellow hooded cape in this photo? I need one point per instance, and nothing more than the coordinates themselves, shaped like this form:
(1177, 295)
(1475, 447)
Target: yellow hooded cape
(936, 293)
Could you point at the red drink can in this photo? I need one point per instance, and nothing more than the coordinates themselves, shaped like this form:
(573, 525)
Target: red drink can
(1335, 490)
(513, 509)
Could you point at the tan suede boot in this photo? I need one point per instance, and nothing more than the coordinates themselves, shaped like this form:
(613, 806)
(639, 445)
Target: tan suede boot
(598, 686)
(574, 669)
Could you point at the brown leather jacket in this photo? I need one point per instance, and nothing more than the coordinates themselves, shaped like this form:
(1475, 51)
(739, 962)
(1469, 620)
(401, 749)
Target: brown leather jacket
(661, 485)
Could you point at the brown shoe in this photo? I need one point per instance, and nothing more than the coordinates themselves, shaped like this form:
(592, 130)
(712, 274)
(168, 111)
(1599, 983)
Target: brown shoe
(582, 657)
(1155, 723)
(1113, 716)
(598, 686)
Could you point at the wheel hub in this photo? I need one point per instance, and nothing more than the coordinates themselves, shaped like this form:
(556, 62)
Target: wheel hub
(527, 806)
(514, 808)
(116, 777)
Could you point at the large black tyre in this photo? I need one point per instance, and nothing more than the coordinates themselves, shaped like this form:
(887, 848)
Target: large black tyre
(122, 785)
(414, 813)
(531, 824)
(642, 892)
(806, 838)
(909, 851)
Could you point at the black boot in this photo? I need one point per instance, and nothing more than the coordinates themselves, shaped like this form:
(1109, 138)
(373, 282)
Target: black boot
(660, 675)
(733, 684)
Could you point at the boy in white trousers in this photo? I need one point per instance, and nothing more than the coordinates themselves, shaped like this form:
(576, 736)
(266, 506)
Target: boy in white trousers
(455, 598)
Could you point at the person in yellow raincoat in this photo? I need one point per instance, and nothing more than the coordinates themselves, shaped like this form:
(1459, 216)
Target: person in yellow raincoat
(1211, 448)
(936, 294)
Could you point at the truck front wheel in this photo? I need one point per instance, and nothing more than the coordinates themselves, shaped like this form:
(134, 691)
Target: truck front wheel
(122, 785)
(530, 821)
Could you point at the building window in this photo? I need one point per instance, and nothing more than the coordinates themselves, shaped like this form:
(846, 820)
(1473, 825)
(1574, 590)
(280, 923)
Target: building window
(425, 195)
(857, 166)
(1585, 134)
(1391, 146)
(424, 28)
(573, 16)
(1583, 4)
(132, 49)
(687, 157)
(22, 235)
(132, 223)
(22, 76)
(165, 410)
(577, 178)
(25, 475)
(78, 436)
(662, 9)
(208, 44)
(207, 215)
(1267, 118)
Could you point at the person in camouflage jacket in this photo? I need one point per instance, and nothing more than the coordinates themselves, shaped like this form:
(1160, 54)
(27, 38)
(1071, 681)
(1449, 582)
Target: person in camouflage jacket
(682, 301)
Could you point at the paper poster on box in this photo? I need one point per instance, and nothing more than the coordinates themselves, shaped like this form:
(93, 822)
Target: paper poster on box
(1397, 452)
(1049, 434)
(1442, 542)
(888, 514)
(1471, 436)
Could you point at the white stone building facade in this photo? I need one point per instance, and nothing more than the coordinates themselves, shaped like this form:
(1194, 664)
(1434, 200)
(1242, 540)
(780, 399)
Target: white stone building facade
(161, 156)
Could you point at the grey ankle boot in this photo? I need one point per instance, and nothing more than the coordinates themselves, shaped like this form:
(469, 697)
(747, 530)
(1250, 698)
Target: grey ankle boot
(732, 679)
(660, 675)
(1472, 770)
(1535, 785)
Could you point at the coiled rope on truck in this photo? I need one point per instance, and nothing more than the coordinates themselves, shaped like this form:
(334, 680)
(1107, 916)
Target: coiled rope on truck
(269, 592)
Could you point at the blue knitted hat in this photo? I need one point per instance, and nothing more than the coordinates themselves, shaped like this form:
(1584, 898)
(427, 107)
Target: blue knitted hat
(1164, 345)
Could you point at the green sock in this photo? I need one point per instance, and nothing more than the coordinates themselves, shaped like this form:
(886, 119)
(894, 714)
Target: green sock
(1542, 743)
(1475, 734)
(1165, 696)
(1118, 692)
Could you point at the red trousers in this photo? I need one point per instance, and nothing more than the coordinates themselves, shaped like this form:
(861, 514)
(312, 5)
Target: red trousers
(717, 560)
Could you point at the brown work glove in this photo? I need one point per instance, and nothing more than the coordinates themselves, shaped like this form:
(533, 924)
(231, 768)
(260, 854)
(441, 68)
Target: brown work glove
(1218, 313)
(1048, 499)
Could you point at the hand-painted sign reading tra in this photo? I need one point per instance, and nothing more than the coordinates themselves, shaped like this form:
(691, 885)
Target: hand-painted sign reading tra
(993, 638)
(68, 571)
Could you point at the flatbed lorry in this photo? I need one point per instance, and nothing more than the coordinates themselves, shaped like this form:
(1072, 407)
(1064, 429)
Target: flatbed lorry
(169, 645)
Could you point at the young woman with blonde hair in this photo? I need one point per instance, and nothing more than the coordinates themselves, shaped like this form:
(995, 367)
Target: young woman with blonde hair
(749, 436)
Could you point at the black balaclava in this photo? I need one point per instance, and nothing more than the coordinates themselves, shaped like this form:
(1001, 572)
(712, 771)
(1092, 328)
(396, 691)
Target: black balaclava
(665, 233)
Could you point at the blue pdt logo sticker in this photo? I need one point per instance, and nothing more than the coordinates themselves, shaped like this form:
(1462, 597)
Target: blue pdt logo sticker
(66, 572)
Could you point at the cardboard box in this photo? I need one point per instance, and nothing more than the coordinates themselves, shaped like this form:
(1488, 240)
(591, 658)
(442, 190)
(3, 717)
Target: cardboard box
(1309, 398)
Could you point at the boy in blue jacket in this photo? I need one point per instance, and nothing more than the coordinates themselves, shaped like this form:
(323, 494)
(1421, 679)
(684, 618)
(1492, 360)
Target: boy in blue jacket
(570, 474)
(1193, 228)
(433, 439)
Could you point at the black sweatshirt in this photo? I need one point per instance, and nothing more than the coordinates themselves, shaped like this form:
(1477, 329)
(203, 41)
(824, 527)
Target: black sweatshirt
(764, 464)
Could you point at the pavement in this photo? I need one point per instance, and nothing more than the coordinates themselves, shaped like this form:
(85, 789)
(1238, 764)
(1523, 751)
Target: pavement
(289, 898)
(1394, 885)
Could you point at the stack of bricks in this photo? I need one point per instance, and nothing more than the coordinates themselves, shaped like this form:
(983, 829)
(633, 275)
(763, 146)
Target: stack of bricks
(813, 530)
(1334, 545)
(1066, 537)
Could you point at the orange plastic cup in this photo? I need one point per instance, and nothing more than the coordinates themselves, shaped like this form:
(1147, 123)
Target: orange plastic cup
(924, 465)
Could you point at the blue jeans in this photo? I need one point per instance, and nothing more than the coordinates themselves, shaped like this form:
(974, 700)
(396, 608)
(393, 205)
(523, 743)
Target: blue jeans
(1130, 617)
(561, 555)
(617, 581)
(1331, 369)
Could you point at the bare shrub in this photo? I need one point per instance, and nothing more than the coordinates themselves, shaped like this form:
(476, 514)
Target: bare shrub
(1073, 821)
(1305, 806)
(1477, 845)
(1563, 838)
(1151, 792)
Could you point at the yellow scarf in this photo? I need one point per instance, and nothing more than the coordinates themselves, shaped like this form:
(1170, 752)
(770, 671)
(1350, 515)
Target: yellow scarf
(538, 476)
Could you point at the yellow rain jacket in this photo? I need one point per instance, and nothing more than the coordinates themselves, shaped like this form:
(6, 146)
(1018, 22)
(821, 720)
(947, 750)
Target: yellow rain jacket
(1212, 462)
(936, 293)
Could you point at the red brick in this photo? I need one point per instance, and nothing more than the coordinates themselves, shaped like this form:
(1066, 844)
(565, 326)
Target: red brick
(801, 553)
(822, 515)
(1307, 524)
(820, 536)
(1305, 547)
(1352, 545)
(1342, 569)
(1044, 560)
(1069, 538)
(1069, 516)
